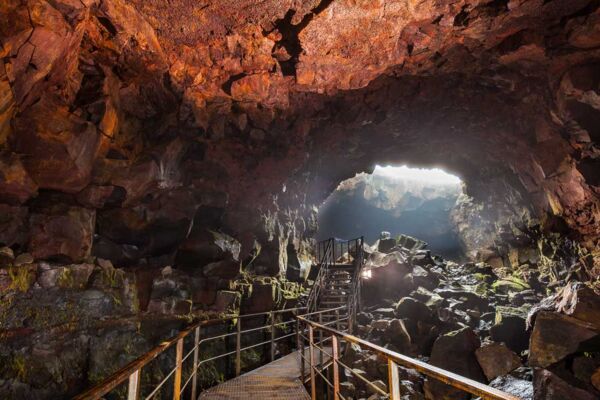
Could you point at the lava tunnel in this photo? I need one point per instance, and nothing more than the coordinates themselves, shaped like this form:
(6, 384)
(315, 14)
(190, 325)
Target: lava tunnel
(187, 189)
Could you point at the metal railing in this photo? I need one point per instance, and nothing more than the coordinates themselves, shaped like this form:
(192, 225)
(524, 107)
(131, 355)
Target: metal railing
(132, 372)
(325, 257)
(334, 251)
(331, 366)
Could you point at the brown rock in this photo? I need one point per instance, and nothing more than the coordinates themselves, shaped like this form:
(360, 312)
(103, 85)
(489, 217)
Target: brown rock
(555, 336)
(15, 184)
(58, 147)
(548, 386)
(22, 259)
(62, 233)
(227, 302)
(596, 379)
(496, 359)
(13, 225)
(398, 335)
(455, 352)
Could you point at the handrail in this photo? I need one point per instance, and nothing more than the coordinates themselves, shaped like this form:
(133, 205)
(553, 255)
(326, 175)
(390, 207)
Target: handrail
(395, 359)
(132, 370)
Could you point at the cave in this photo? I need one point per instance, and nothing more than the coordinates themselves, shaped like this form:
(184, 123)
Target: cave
(163, 163)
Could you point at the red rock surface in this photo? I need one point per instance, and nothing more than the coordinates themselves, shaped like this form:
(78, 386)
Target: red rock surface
(256, 110)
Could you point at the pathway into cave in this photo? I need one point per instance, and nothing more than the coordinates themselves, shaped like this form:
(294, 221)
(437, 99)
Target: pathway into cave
(397, 199)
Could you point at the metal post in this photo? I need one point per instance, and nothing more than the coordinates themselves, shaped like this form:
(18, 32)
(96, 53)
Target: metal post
(133, 390)
(394, 380)
(272, 336)
(195, 367)
(337, 320)
(336, 370)
(313, 383)
(238, 348)
(300, 348)
(178, 361)
(321, 340)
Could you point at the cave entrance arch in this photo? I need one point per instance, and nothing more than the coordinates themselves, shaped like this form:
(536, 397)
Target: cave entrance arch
(398, 199)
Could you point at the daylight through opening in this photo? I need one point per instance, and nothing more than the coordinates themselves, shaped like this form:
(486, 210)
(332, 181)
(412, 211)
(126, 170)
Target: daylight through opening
(401, 200)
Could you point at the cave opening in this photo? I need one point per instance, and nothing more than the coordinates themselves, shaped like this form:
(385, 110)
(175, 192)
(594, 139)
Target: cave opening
(400, 200)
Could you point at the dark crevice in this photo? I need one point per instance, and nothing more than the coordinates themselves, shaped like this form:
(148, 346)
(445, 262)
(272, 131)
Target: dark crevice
(590, 169)
(462, 18)
(227, 85)
(105, 22)
(290, 40)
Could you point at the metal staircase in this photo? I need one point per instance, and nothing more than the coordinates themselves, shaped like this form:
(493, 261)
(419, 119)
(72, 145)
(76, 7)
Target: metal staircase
(337, 283)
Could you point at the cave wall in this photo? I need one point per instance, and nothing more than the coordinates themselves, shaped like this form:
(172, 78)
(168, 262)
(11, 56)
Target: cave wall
(132, 131)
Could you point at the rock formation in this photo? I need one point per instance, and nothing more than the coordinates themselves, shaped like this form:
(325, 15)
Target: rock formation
(167, 156)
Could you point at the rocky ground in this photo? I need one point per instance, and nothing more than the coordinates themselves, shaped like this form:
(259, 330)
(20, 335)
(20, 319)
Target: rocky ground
(505, 328)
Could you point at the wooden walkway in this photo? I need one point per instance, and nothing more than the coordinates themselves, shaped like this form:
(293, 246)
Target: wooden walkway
(276, 380)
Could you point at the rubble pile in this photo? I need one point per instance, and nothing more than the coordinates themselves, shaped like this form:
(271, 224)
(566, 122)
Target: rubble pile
(486, 324)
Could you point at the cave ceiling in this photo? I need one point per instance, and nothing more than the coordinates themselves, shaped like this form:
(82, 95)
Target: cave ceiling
(146, 111)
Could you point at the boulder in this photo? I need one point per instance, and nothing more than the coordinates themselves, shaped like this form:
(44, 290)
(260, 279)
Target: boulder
(509, 328)
(412, 309)
(74, 276)
(411, 243)
(227, 302)
(23, 259)
(380, 324)
(549, 386)
(7, 255)
(62, 233)
(423, 278)
(386, 245)
(264, 296)
(171, 293)
(455, 352)
(555, 336)
(397, 334)
(496, 359)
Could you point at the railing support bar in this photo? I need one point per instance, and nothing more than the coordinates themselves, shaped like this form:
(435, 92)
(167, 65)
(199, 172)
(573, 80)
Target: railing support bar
(272, 336)
(178, 362)
(394, 380)
(238, 347)
(300, 349)
(313, 383)
(133, 390)
(321, 340)
(195, 367)
(336, 371)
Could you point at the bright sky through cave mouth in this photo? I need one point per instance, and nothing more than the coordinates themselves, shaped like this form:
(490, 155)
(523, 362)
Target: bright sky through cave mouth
(433, 175)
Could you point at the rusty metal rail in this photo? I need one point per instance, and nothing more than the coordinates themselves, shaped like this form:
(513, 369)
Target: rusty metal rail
(132, 371)
(394, 360)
